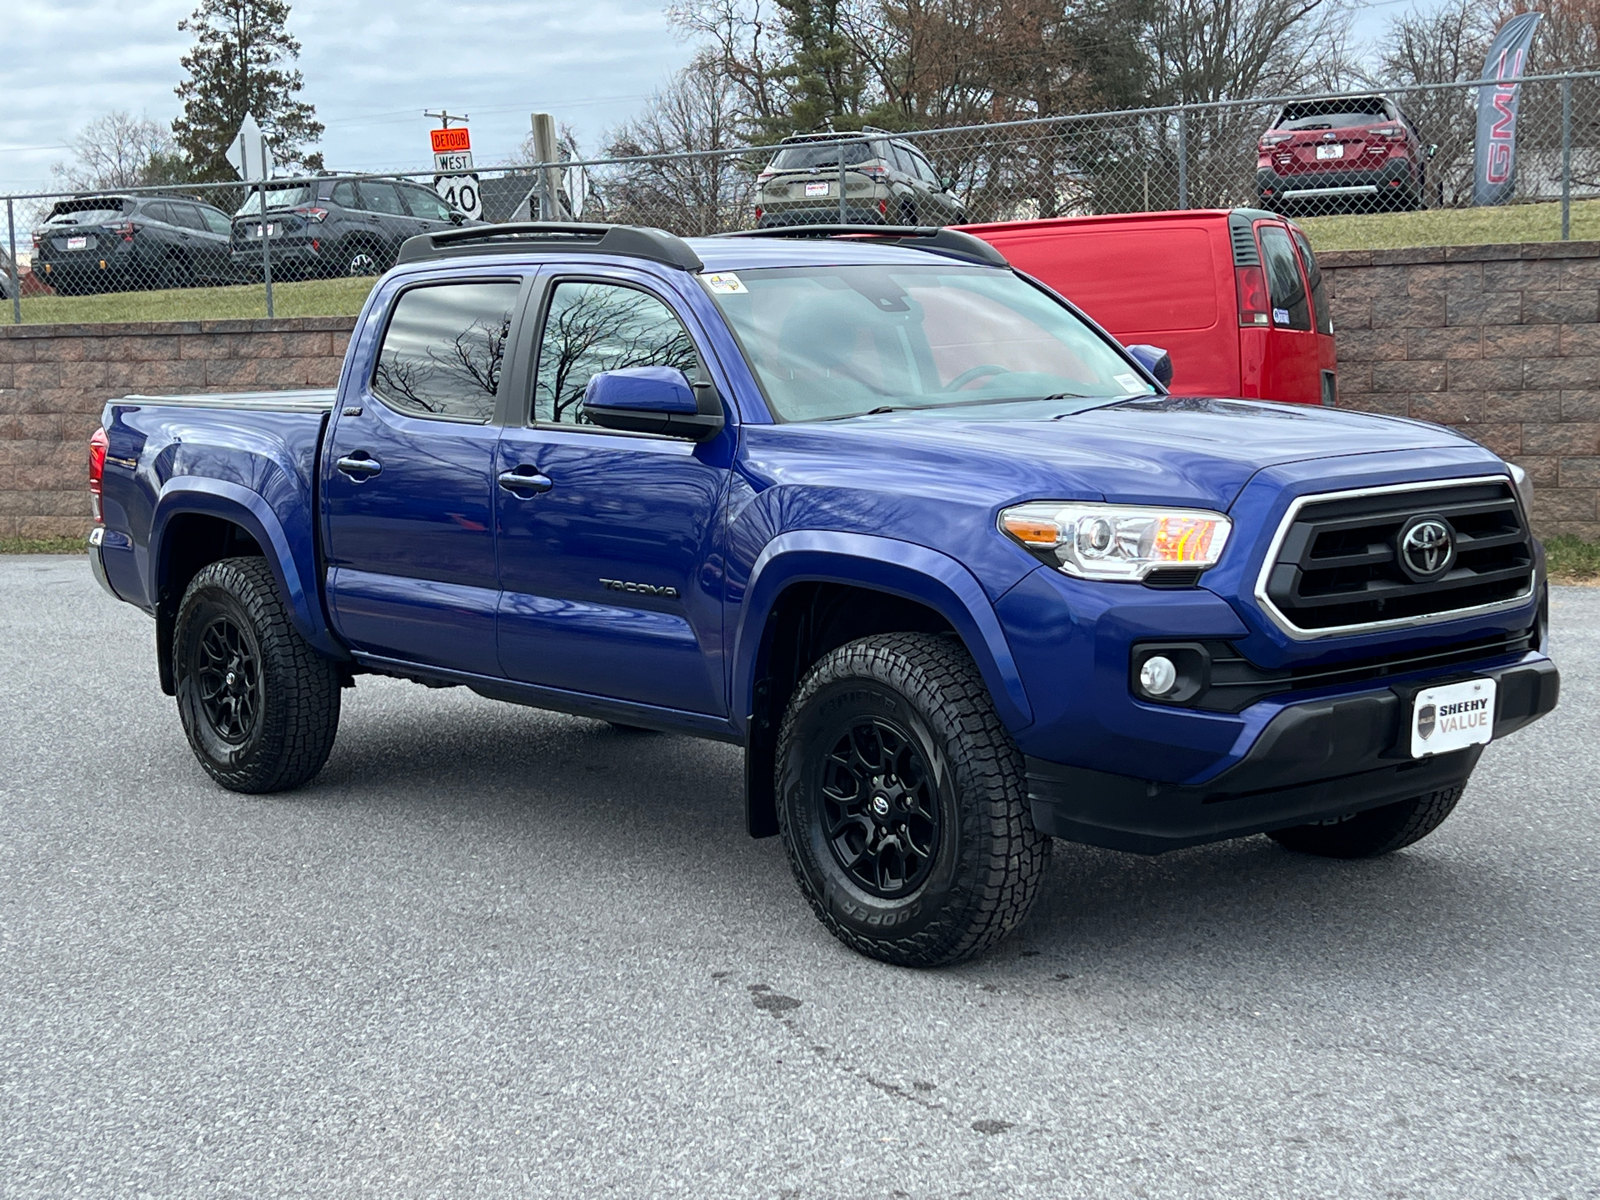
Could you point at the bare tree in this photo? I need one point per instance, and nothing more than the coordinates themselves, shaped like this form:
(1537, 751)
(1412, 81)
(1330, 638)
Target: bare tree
(120, 150)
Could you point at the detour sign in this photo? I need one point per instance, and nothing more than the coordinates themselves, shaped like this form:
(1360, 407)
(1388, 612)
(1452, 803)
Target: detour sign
(446, 140)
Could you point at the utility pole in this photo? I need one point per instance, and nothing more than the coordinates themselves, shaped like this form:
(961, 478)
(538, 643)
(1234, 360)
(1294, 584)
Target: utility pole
(444, 118)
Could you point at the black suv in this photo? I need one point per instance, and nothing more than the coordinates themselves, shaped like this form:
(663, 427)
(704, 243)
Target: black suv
(335, 226)
(127, 243)
(887, 181)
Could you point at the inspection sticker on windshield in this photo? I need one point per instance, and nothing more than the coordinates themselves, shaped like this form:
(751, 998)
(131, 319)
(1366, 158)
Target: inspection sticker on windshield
(1452, 717)
(725, 283)
(1131, 383)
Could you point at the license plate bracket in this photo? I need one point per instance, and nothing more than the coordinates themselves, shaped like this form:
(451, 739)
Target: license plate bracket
(1452, 716)
(818, 189)
(1333, 151)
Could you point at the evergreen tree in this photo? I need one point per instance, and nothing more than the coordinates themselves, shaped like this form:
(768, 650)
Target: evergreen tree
(826, 74)
(239, 65)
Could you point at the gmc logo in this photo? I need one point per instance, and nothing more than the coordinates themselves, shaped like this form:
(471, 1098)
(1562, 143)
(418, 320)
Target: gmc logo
(1497, 163)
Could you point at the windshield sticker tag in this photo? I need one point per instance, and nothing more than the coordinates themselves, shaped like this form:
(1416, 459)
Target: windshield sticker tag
(1280, 316)
(1131, 383)
(725, 283)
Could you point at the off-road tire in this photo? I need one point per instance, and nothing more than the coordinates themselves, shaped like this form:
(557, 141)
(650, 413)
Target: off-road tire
(295, 713)
(1374, 832)
(985, 873)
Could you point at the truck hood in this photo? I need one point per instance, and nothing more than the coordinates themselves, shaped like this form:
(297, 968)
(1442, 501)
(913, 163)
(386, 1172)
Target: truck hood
(1161, 450)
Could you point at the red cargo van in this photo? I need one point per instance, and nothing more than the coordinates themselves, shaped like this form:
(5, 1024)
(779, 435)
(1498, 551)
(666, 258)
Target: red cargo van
(1234, 296)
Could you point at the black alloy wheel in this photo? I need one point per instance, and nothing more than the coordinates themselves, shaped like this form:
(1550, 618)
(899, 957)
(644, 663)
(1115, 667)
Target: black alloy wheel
(881, 807)
(227, 672)
(902, 802)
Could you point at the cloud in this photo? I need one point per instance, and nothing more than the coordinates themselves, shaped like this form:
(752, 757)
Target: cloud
(370, 70)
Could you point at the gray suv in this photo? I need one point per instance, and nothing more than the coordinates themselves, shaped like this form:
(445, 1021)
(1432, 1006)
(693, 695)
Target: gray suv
(887, 181)
(335, 226)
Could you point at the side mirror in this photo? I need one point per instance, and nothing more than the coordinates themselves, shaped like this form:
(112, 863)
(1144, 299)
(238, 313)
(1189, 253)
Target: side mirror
(457, 218)
(1432, 150)
(653, 400)
(1155, 360)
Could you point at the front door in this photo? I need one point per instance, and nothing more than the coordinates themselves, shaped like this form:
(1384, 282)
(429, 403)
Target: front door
(1290, 371)
(408, 481)
(607, 540)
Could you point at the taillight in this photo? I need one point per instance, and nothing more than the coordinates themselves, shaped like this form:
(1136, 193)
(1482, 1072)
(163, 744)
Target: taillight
(872, 169)
(127, 229)
(758, 212)
(1274, 139)
(313, 214)
(1388, 131)
(1252, 296)
(883, 208)
(98, 445)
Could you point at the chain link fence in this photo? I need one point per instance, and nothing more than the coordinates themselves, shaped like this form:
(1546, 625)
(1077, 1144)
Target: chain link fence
(200, 251)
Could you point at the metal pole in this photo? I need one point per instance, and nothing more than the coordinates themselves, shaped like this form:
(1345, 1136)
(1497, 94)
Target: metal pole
(1183, 158)
(266, 256)
(1566, 159)
(16, 275)
(844, 218)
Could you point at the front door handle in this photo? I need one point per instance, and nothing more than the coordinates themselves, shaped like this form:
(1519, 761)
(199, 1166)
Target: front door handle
(359, 466)
(525, 479)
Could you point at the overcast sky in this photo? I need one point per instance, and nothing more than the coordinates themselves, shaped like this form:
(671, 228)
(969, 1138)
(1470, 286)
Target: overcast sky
(370, 70)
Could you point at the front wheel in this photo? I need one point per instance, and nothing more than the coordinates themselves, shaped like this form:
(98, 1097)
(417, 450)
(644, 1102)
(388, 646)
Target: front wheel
(259, 706)
(1374, 832)
(902, 802)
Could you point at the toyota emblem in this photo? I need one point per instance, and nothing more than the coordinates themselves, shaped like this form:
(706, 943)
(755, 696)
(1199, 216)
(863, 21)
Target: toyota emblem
(1427, 548)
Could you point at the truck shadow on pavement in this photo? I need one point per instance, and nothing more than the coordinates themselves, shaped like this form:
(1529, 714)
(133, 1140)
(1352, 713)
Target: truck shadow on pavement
(672, 808)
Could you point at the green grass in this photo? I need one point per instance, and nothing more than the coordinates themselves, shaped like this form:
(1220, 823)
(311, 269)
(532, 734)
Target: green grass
(1452, 227)
(311, 298)
(1572, 560)
(55, 545)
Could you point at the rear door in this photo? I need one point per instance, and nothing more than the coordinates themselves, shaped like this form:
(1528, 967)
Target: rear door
(392, 220)
(1291, 370)
(408, 492)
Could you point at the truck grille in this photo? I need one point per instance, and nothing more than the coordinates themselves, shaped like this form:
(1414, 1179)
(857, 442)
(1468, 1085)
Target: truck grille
(1340, 563)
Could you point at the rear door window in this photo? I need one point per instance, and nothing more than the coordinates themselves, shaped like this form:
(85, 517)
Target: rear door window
(381, 198)
(188, 216)
(1319, 289)
(1285, 287)
(159, 211)
(344, 195)
(216, 222)
(444, 349)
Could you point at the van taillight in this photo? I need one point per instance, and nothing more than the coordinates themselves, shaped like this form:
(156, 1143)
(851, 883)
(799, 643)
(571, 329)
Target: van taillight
(98, 445)
(1252, 296)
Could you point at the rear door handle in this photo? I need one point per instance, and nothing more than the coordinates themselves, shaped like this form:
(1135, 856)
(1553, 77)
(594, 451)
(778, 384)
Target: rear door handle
(359, 466)
(525, 479)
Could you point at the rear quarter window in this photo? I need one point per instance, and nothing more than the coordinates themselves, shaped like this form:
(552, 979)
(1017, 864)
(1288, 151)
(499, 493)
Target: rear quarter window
(443, 350)
(1319, 288)
(1130, 281)
(1285, 288)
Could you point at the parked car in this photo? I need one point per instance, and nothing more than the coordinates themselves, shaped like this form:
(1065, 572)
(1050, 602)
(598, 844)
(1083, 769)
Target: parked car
(1234, 296)
(1357, 152)
(114, 243)
(887, 181)
(334, 226)
(951, 567)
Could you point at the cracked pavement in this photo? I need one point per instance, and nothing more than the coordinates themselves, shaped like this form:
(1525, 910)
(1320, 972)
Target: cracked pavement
(497, 952)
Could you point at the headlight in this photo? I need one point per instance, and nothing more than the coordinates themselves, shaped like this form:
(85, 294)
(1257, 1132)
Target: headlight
(1524, 486)
(1117, 541)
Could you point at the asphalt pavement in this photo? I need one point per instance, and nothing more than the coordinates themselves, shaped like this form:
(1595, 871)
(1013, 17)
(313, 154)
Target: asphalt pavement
(497, 952)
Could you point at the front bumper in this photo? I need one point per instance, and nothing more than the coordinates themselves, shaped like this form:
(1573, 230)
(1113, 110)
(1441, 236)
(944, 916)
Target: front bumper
(1314, 760)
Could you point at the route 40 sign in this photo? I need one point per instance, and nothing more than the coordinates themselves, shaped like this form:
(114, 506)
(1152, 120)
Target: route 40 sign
(455, 181)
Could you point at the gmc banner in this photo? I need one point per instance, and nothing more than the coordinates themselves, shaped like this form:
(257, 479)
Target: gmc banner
(1496, 176)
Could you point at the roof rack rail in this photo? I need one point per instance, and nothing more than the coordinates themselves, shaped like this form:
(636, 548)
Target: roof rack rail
(631, 241)
(937, 238)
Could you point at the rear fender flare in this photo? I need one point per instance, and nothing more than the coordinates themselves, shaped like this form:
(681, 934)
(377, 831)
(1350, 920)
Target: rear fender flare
(232, 502)
(886, 565)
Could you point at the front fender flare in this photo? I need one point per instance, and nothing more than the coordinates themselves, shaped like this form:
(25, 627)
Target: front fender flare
(233, 502)
(886, 565)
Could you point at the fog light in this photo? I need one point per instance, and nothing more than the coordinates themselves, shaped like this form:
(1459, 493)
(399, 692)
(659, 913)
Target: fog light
(1158, 676)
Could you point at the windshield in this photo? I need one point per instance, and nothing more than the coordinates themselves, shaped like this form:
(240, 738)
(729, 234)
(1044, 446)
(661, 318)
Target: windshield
(831, 342)
(277, 197)
(823, 154)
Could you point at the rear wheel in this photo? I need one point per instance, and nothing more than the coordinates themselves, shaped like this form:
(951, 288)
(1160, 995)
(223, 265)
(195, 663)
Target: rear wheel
(259, 706)
(362, 258)
(902, 802)
(1374, 832)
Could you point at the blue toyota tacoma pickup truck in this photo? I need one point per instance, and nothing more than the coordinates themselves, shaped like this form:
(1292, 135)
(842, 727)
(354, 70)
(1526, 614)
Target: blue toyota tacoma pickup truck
(945, 560)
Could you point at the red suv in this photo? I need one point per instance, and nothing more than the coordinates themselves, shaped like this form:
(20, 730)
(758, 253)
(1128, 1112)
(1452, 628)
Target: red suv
(1358, 150)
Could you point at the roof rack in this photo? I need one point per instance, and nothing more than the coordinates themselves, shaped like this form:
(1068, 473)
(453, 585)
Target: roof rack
(631, 241)
(917, 237)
